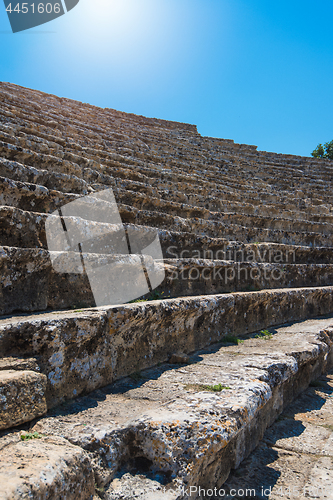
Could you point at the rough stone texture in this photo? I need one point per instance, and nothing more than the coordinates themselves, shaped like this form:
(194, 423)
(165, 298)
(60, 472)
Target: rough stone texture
(50, 180)
(28, 197)
(22, 397)
(80, 351)
(17, 363)
(30, 269)
(174, 244)
(166, 426)
(179, 358)
(44, 468)
(217, 206)
(295, 458)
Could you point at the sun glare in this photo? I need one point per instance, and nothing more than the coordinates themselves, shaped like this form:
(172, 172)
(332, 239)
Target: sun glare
(118, 27)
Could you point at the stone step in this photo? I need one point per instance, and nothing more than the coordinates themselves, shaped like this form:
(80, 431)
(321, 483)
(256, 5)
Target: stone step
(302, 435)
(227, 202)
(227, 145)
(229, 231)
(37, 280)
(203, 182)
(147, 202)
(187, 245)
(72, 184)
(56, 181)
(61, 164)
(22, 396)
(44, 468)
(44, 162)
(200, 196)
(109, 180)
(148, 199)
(83, 350)
(156, 435)
(174, 244)
(28, 196)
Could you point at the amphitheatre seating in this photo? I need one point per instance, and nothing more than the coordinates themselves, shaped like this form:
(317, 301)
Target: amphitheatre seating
(247, 245)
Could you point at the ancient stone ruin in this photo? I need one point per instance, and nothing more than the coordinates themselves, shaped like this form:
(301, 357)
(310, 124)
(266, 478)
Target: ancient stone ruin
(148, 398)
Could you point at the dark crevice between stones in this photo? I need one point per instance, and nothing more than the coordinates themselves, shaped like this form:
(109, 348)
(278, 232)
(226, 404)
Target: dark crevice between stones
(136, 463)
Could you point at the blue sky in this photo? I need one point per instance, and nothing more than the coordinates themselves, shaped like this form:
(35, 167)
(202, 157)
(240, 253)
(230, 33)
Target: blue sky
(255, 71)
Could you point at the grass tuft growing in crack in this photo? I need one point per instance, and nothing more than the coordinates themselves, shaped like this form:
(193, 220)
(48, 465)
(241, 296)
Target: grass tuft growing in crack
(232, 339)
(31, 435)
(212, 388)
(264, 334)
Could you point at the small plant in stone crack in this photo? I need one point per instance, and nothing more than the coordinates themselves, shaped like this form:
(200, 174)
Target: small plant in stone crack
(216, 388)
(264, 334)
(232, 339)
(31, 435)
(212, 388)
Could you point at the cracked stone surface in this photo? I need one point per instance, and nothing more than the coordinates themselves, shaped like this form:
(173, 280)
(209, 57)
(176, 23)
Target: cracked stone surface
(167, 428)
(22, 396)
(44, 468)
(80, 351)
(295, 458)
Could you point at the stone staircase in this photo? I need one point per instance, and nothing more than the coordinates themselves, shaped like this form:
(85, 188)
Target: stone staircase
(247, 245)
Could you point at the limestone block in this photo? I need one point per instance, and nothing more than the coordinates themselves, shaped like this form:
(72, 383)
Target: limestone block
(22, 397)
(45, 469)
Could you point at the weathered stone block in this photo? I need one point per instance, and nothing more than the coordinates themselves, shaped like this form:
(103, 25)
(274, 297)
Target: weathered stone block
(80, 351)
(45, 469)
(22, 397)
